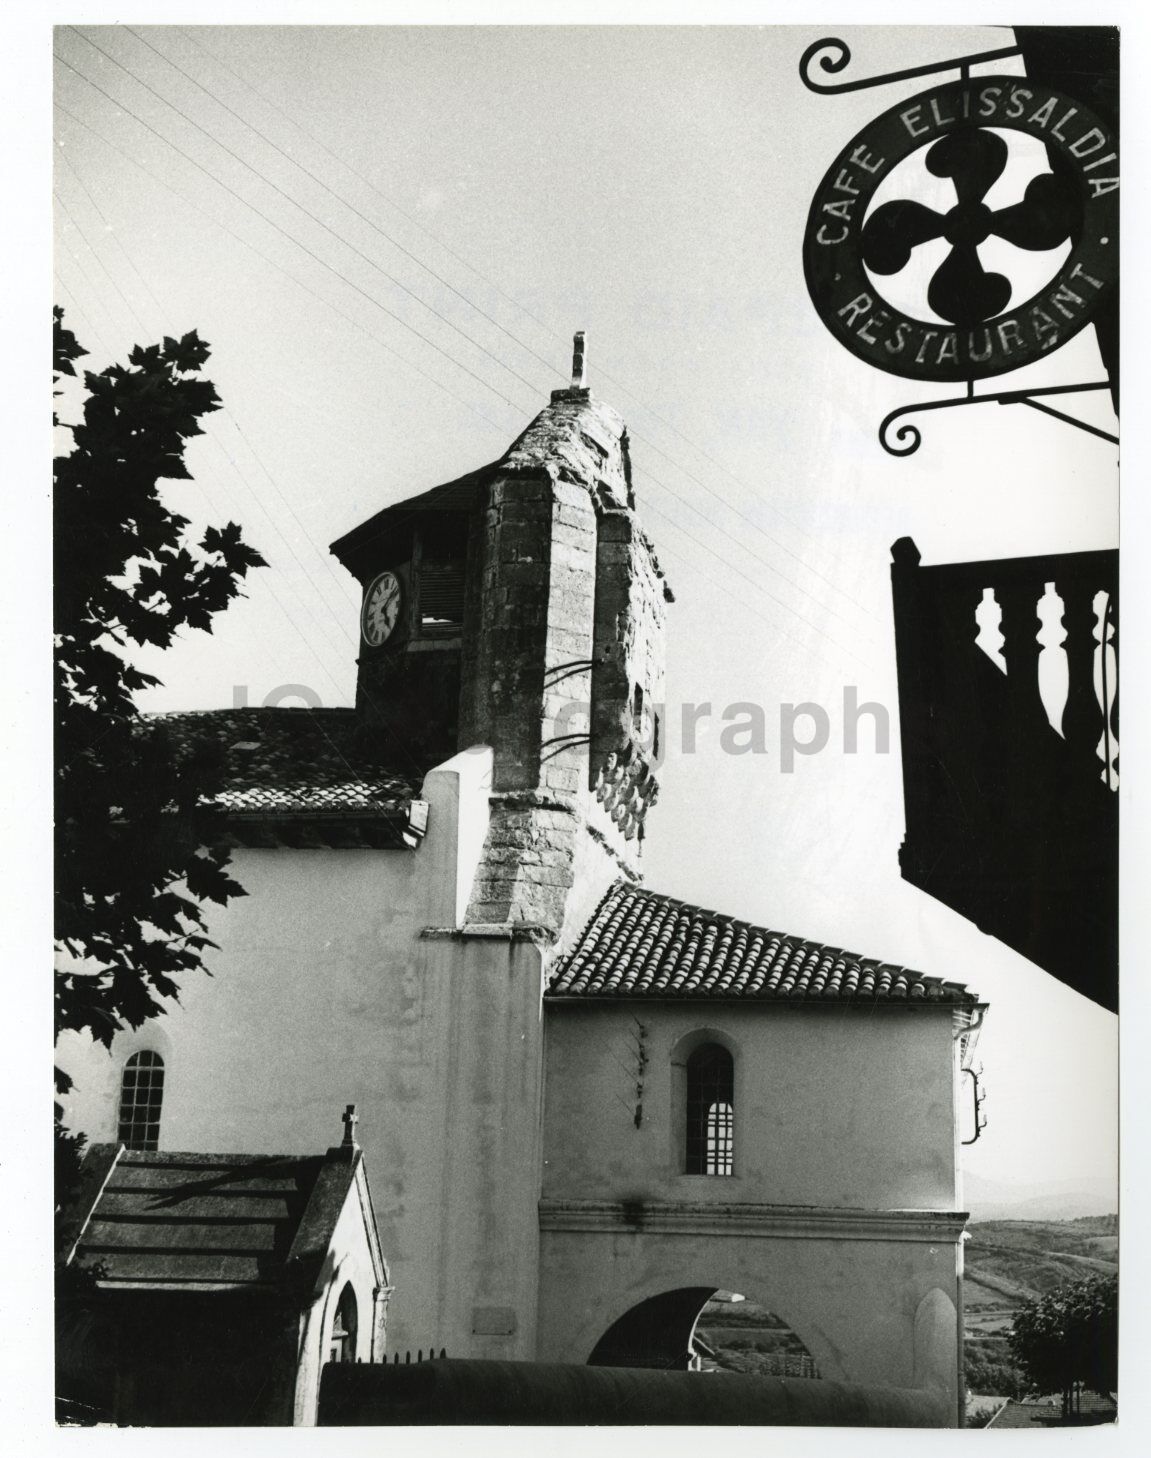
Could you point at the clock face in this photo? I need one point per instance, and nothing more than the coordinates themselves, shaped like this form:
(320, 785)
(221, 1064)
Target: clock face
(381, 609)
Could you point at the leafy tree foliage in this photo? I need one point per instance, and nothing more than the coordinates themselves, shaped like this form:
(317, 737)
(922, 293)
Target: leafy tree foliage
(988, 1367)
(1070, 1337)
(136, 854)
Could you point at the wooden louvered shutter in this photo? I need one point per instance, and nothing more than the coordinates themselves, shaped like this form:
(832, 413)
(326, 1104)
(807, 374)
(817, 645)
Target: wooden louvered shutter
(441, 572)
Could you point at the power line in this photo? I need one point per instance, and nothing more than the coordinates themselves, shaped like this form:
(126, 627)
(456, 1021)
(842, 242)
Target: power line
(729, 567)
(314, 217)
(103, 218)
(543, 324)
(230, 415)
(658, 481)
(208, 430)
(238, 470)
(419, 262)
(270, 584)
(127, 304)
(271, 262)
(439, 242)
(211, 433)
(120, 105)
(80, 311)
(95, 292)
(515, 339)
(495, 358)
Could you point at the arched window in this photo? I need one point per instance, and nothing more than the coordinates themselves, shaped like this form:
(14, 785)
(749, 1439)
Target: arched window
(710, 1111)
(141, 1094)
(342, 1345)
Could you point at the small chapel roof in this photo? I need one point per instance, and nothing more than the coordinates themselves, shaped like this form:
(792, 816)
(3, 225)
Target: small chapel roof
(641, 944)
(185, 1221)
(299, 763)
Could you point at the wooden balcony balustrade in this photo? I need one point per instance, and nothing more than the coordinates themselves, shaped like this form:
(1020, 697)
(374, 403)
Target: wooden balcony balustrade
(1010, 782)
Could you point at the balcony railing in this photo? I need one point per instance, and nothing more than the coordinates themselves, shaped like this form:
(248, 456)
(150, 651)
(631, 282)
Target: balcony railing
(1009, 710)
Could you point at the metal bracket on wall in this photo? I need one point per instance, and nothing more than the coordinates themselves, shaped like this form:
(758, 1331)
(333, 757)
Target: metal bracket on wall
(832, 56)
(977, 1097)
(840, 56)
(909, 437)
(561, 742)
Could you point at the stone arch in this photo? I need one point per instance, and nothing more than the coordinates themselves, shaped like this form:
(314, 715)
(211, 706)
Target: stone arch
(688, 1042)
(653, 1333)
(847, 1282)
(754, 1287)
(316, 1329)
(341, 1342)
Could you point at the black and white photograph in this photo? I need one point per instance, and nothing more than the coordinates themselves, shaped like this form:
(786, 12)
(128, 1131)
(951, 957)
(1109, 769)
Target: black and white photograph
(582, 774)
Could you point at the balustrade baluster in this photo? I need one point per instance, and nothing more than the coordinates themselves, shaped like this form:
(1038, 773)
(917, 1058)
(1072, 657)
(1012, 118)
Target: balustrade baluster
(1082, 717)
(1020, 627)
(1111, 622)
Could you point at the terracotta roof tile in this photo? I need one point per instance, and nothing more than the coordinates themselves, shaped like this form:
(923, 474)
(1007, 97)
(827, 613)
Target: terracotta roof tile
(642, 944)
(296, 761)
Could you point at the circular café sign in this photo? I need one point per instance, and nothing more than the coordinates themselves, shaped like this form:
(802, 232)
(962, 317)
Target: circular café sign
(972, 326)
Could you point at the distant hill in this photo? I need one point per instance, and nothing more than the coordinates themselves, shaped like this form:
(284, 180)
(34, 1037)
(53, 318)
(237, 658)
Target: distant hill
(1010, 1261)
(1058, 1200)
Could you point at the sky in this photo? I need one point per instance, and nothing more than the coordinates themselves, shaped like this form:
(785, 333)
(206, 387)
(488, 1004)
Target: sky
(388, 236)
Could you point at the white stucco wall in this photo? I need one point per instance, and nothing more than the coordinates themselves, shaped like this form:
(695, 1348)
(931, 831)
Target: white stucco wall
(833, 1106)
(836, 1218)
(873, 1303)
(324, 993)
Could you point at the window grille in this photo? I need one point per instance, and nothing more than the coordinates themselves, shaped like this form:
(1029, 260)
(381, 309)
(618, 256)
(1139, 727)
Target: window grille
(141, 1094)
(710, 1111)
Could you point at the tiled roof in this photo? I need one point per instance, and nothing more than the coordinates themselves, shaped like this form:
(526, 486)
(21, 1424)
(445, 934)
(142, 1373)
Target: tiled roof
(197, 1219)
(297, 761)
(641, 944)
(1048, 1413)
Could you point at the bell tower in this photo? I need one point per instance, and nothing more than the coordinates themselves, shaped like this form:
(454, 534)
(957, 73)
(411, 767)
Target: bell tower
(522, 607)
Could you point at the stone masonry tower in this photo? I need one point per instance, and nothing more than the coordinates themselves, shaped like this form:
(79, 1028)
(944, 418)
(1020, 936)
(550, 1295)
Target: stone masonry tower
(523, 607)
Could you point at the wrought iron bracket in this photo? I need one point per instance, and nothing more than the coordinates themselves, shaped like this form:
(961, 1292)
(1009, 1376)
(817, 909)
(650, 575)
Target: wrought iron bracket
(910, 438)
(840, 56)
(977, 1097)
(560, 742)
(832, 56)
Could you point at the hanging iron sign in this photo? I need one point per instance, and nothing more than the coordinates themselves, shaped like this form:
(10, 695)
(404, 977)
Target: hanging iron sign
(971, 326)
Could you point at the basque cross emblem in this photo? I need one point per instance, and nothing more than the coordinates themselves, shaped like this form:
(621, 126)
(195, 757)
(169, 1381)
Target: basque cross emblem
(961, 290)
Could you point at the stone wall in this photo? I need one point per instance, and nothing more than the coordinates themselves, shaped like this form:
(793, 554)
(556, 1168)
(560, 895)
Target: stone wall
(627, 680)
(568, 580)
